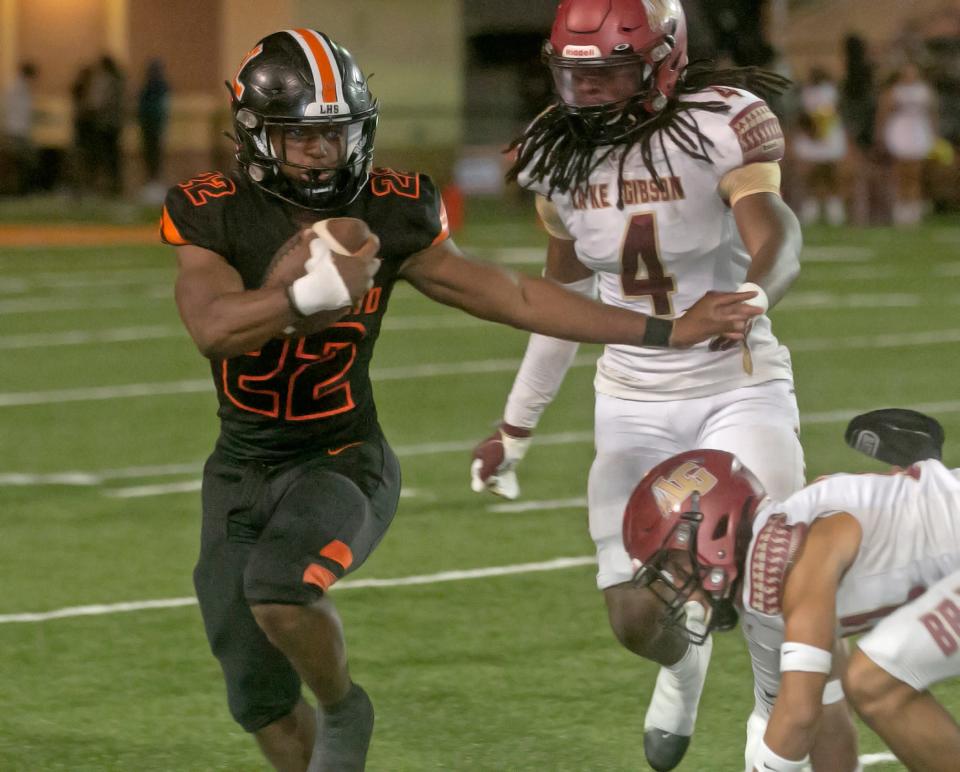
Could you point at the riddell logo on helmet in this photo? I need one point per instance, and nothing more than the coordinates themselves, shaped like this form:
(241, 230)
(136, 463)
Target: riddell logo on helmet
(581, 52)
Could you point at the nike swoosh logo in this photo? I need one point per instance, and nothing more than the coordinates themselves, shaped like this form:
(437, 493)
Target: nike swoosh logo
(338, 451)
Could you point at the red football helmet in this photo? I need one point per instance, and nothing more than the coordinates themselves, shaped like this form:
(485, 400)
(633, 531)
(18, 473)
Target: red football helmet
(606, 53)
(688, 524)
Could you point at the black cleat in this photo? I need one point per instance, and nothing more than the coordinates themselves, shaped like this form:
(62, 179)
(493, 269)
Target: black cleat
(664, 750)
(343, 734)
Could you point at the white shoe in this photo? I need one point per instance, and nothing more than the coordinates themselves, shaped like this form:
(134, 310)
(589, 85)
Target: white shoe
(668, 725)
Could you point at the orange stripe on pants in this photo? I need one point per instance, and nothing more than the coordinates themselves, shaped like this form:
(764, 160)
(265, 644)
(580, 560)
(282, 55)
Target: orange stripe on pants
(319, 576)
(338, 552)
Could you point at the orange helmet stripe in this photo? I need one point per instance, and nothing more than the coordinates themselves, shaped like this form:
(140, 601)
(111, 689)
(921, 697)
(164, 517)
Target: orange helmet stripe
(238, 87)
(325, 67)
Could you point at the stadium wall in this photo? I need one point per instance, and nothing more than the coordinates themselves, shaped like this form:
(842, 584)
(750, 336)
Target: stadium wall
(201, 43)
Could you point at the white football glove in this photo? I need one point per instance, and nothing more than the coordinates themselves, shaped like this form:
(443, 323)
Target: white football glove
(322, 287)
(495, 461)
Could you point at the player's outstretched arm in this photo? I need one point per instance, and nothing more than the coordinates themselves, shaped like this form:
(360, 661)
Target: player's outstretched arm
(540, 305)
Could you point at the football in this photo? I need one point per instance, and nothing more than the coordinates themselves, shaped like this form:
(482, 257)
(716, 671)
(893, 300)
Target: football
(344, 235)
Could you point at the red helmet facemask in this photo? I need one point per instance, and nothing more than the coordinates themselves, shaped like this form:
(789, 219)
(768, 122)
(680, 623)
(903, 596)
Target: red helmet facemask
(606, 55)
(687, 524)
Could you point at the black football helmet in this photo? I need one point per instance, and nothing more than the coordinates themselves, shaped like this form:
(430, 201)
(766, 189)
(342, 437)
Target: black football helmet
(301, 78)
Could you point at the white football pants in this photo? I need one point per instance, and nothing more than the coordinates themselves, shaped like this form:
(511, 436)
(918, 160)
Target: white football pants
(759, 424)
(919, 643)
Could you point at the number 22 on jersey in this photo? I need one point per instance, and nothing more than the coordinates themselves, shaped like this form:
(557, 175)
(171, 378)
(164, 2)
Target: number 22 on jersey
(305, 382)
(641, 272)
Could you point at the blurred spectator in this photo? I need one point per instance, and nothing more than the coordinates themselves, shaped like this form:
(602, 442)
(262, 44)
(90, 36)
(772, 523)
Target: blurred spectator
(18, 117)
(858, 108)
(907, 129)
(820, 145)
(153, 110)
(84, 157)
(105, 100)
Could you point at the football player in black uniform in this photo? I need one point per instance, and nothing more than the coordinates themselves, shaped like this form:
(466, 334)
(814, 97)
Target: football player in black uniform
(302, 485)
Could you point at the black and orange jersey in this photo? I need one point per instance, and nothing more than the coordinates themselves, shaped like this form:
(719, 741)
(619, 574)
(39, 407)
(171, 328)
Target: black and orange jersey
(312, 394)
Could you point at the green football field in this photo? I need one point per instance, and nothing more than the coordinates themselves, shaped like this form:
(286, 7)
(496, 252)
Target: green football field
(498, 657)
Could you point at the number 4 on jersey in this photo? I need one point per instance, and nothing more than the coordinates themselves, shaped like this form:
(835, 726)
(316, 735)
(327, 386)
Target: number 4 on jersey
(641, 246)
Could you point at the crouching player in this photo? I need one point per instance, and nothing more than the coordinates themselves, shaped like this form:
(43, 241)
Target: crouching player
(850, 553)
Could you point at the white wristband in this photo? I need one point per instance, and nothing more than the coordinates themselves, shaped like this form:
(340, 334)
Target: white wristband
(805, 658)
(321, 288)
(760, 301)
(768, 761)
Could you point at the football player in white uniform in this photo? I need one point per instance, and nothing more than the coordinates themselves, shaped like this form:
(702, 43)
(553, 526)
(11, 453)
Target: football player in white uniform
(657, 182)
(832, 560)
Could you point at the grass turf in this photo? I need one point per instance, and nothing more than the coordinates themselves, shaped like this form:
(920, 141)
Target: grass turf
(502, 673)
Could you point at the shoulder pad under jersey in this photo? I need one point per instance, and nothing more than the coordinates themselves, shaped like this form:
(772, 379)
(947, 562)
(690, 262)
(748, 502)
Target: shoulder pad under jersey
(407, 209)
(194, 211)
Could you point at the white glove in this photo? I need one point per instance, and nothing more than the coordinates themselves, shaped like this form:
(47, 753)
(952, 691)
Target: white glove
(496, 458)
(322, 288)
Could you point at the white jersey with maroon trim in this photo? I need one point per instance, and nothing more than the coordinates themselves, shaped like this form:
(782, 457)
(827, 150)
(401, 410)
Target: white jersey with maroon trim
(910, 540)
(670, 244)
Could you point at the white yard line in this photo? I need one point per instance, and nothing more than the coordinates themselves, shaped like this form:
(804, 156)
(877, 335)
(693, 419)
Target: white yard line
(818, 254)
(85, 337)
(84, 279)
(837, 254)
(162, 293)
(158, 332)
(887, 340)
(162, 489)
(66, 303)
(537, 506)
(869, 759)
(100, 393)
(191, 486)
(796, 301)
(91, 479)
(347, 584)
(947, 269)
(842, 302)
(88, 479)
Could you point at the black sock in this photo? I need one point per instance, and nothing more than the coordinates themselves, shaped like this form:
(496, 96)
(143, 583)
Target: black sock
(343, 734)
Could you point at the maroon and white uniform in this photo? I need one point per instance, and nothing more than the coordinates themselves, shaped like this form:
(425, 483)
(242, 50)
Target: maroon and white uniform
(906, 573)
(670, 244)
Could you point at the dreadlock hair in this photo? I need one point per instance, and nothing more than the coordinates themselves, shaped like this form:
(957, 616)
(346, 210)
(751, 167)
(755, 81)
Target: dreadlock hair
(560, 152)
